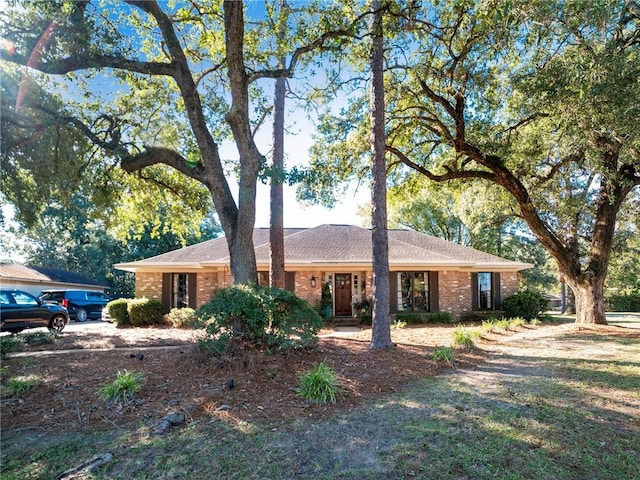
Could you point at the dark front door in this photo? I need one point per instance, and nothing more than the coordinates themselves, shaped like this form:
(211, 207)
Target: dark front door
(343, 294)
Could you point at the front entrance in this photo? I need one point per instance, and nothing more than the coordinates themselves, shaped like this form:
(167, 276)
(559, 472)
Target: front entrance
(342, 294)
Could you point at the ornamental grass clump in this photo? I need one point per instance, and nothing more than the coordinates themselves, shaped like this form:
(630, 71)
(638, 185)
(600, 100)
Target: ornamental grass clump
(124, 388)
(444, 354)
(319, 385)
(463, 337)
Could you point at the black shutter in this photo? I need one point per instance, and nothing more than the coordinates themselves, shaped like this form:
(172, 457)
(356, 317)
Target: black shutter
(434, 298)
(290, 281)
(192, 286)
(393, 292)
(167, 287)
(495, 290)
(474, 292)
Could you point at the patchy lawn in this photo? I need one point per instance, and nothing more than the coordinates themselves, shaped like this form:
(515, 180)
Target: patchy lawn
(542, 402)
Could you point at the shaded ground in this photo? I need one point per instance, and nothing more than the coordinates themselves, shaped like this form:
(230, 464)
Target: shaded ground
(186, 380)
(543, 402)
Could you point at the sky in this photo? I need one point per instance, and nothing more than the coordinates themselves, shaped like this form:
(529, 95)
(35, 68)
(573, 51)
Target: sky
(297, 215)
(298, 141)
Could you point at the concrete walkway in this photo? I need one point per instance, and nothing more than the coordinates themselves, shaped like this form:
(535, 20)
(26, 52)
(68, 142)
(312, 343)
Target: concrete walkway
(624, 319)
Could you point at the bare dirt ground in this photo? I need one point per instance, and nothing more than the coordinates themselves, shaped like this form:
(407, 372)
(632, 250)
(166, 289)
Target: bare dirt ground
(180, 378)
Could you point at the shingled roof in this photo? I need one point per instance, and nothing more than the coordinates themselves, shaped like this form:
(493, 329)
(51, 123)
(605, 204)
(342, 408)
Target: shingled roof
(16, 272)
(334, 245)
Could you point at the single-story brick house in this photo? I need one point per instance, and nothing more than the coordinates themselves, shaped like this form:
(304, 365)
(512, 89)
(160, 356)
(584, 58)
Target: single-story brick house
(427, 274)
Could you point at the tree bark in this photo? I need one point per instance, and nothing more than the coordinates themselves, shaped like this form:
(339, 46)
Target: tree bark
(589, 296)
(241, 248)
(381, 324)
(276, 223)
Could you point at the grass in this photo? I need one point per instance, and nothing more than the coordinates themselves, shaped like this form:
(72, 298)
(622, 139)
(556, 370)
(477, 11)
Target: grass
(399, 324)
(13, 343)
(18, 385)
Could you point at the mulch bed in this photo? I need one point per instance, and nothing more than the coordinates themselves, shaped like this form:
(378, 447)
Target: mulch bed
(181, 378)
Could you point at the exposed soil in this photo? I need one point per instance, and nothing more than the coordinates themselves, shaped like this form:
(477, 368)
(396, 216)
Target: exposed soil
(180, 378)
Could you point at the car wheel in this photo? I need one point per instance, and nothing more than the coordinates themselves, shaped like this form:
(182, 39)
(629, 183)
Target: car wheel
(57, 323)
(81, 316)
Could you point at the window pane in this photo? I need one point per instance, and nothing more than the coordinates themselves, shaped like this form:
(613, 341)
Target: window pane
(180, 290)
(24, 299)
(413, 291)
(485, 298)
(419, 292)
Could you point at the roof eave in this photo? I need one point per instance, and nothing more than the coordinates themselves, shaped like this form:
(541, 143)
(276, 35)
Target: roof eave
(158, 267)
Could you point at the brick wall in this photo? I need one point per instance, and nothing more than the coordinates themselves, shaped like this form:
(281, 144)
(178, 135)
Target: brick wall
(208, 284)
(508, 284)
(454, 292)
(304, 290)
(149, 285)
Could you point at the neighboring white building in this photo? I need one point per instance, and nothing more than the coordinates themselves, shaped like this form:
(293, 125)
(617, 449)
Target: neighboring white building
(34, 280)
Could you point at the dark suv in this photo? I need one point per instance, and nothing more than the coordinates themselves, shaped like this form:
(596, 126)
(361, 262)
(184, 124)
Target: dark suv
(81, 304)
(20, 310)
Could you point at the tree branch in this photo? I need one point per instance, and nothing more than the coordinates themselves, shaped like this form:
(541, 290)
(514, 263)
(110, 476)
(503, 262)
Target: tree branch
(450, 175)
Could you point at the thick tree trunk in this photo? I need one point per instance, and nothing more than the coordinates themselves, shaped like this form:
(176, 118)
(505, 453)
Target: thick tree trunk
(242, 256)
(589, 297)
(381, 326)
(240, 241)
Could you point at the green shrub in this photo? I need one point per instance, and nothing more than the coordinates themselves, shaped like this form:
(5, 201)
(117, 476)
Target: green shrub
(526, 304)
(144, 311)
(625, 301)
(440, 317)
(40, 338)
(10, 344)
(263, 316)
(411, 318)
(290, 320)
(118, 311)
(124, 388)
(319, 385)
(183, 318)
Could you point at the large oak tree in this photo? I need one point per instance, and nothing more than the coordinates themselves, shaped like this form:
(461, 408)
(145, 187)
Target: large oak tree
(539, 98)
(177, 81)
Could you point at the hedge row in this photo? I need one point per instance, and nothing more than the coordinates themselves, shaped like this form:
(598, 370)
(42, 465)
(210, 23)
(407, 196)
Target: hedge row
(136, 312)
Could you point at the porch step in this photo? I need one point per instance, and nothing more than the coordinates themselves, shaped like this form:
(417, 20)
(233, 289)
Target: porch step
(344, 321)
